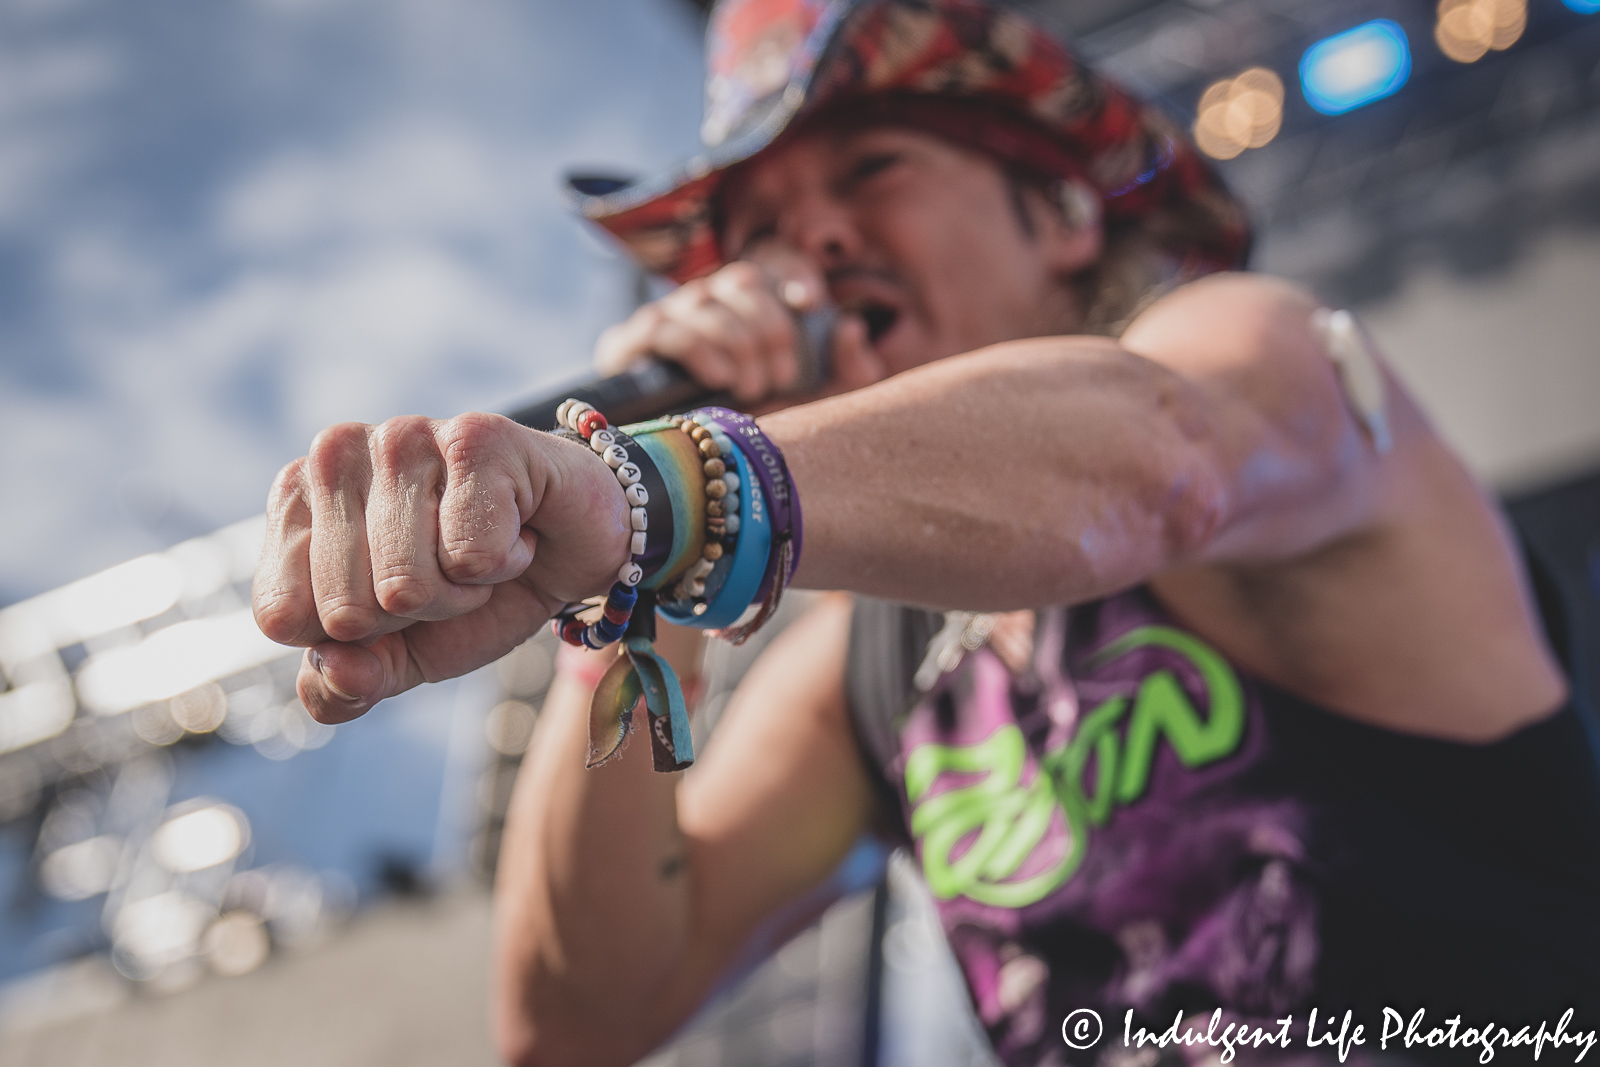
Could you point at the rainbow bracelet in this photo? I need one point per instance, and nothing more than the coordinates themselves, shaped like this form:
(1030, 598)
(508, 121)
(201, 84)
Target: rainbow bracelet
(715, 532)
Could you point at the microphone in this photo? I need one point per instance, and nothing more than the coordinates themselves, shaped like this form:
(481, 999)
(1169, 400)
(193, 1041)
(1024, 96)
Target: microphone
(654, 386)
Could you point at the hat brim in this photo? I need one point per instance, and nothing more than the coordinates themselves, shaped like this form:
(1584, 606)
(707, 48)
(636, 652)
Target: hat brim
(1139, 160)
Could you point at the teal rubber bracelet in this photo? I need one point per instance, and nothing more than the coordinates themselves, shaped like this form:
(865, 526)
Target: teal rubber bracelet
(749, 558)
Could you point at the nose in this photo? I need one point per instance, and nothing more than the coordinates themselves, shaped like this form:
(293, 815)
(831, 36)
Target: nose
(819, 225)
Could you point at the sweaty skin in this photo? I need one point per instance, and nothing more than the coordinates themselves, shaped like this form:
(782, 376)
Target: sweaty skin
(984, 459)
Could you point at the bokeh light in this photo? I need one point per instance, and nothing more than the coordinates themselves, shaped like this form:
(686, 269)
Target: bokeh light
(510, 726)
(200, 710)
(201, 838)
(284, 732)
(1355, 67)
(1583, 7)
(81, 870)
(1245, 111)
(157, 931)
(154, 723)
(236, 944)
(1467, 30)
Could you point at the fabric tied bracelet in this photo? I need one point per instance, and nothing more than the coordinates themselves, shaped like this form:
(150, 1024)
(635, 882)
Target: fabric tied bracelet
(628, 612)
(715, 532)
(640, 672)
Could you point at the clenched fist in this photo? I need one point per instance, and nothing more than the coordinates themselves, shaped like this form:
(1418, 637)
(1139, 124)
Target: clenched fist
(421, 549)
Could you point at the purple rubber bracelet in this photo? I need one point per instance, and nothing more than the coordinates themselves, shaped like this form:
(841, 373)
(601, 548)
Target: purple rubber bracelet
(767, 463)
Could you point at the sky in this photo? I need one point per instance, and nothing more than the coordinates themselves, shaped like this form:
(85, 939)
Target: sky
(225, 224)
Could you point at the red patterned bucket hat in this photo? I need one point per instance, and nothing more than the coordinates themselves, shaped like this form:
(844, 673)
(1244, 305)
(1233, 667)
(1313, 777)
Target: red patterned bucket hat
(979, 72)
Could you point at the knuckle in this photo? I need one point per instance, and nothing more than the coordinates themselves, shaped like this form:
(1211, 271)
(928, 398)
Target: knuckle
(288, 490)
(348, 621)
(469, 562)
(283, 618)
(404, 594)
(475, 436)
(337, 452)
(742, 274)
(403, 444)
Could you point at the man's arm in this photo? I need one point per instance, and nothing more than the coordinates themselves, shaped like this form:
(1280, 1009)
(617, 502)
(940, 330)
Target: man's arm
(1214, 442)
(1211, 452)
(624, 895)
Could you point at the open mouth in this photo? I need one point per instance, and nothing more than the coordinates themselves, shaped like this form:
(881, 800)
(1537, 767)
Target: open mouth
(880, 319)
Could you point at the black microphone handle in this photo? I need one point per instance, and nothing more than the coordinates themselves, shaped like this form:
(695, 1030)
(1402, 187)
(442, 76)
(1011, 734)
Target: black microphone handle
(647, 390)
(654, 387)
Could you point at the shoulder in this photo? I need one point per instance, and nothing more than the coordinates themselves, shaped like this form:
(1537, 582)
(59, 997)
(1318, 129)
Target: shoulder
(1227, 296)
(1229, 321)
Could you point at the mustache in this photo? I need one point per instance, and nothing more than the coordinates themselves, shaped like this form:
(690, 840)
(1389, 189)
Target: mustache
(852, 273)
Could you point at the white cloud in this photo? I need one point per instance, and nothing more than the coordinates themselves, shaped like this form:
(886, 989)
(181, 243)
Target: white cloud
(428, 178)
(218, 262)
(53, 76)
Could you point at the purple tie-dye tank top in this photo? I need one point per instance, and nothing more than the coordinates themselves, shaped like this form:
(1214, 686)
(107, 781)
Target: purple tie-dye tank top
(1134, 823)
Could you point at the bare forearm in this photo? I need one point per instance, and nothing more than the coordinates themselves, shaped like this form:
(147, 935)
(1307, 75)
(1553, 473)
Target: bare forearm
(1039, 472)
(593, 894)
(616, 889)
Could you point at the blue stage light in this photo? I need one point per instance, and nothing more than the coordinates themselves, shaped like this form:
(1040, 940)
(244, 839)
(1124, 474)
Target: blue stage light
(1583, 7)
(1355, 67)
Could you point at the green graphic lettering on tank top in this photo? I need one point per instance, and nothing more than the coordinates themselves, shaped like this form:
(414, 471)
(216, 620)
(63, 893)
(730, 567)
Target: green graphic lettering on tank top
(1117, 745)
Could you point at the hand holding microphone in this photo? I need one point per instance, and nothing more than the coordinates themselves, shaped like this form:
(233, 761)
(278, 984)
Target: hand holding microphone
(754, 335)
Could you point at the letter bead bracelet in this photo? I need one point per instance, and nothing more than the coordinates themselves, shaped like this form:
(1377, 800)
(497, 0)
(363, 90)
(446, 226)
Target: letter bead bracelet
(715, 531)
(588, 423)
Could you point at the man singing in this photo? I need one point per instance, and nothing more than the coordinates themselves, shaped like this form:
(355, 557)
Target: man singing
(1238, 698)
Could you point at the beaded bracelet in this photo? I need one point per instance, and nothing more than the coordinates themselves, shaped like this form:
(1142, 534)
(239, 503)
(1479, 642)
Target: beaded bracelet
(714, 542)
(639, 673)
(732, 585)
(722, 500)
(771, 472)
(583, 419)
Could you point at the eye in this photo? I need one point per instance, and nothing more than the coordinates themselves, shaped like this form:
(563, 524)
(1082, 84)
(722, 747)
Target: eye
(871, 165)
(765, 232)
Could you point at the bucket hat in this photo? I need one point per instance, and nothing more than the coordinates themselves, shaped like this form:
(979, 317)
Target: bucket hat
(982, 73)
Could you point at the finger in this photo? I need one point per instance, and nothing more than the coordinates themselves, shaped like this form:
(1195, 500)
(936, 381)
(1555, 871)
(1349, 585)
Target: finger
(747, 292)
(490, 465)
(716, 327)
(403, 526)
(651, 331)
(707, 363)
(281, 595)
(339, 681)
(340, 470)
(854, 362)
(622, 345)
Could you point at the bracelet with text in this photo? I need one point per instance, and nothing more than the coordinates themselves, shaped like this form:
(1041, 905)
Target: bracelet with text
(768, 471)
(627, 613)
(715, 537)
